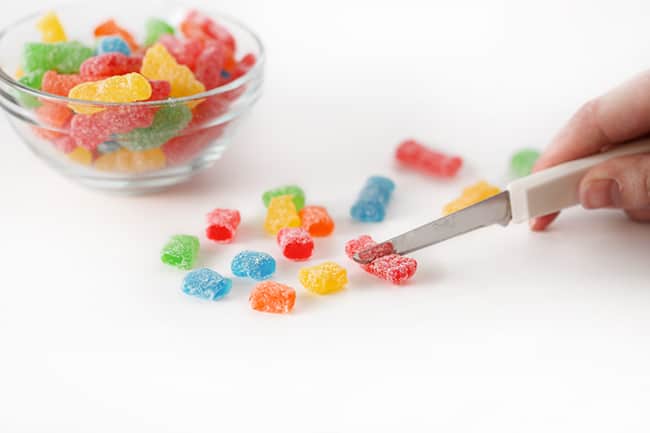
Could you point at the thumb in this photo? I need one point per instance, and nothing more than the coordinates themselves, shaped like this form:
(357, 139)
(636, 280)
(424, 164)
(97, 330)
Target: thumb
(622, 183)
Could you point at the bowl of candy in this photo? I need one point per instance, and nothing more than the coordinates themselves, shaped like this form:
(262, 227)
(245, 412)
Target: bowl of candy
(130, 99)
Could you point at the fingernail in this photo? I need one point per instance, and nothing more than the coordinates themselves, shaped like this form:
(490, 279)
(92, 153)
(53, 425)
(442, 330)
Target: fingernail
(601, 193)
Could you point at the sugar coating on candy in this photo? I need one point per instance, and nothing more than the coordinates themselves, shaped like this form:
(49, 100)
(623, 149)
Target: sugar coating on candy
(65, 144)
(53, 113)
(60, 84)
(206, 284)
(253, 264)
(167, 122)
(92, 129)
(200, 26)
(111, 28)
(323, 279)
(523, 161)
(122, 88)
(272, 297)
(109, 64)
(185, 51)
(294, 191)
(316, 221)
(280, 214)
(51, 28)
(63, 57)
(413, 154)
(126, 161)
(373, 199)
(32, 79)
(158, 64)
(296, 243)
(471, 195)
(362, 243)
(222, 225)
(180, 251)
(209, 65)
(154, 29)
(393, 268)
(187, 146)
(113, 44)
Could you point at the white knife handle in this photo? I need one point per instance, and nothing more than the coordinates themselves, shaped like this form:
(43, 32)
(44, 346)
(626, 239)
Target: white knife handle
(556, 188)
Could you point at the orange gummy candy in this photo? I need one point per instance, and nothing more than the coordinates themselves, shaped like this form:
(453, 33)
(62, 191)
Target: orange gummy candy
(125, 161)
(110, 28)
(316, 221)
(272, 297)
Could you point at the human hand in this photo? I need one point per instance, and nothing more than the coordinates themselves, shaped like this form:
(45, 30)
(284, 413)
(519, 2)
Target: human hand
(616, 117)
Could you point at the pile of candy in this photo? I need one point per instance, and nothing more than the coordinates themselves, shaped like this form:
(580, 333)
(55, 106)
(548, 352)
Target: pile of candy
(167, 64)
(295, 226)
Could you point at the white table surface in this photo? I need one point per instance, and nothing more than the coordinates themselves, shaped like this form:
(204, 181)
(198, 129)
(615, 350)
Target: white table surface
(501, 330)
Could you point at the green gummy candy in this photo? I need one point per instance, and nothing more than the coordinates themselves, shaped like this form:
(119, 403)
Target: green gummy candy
(167, 122)
(63, 57)
(154, 29)
(180, 251)
(522, 162)
(33, 80)
(293, 190)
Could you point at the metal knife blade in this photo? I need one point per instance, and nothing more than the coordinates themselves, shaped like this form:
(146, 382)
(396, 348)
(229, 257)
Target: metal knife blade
(494, 210)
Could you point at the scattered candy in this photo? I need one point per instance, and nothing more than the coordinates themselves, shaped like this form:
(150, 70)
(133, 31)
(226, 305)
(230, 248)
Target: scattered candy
(471, 195)
(222, 225)
(523, 161)
(167, 122)
(417, 156)
(51, 28)
(206, 284)
(113, 44)
(252, 264)
(293, 190)
(373, 199)
(180, 251)
(158, 64)
(121, 88)
(154, 29)
(393, 268)
(62, 57)
(323, 279)
(280, 214)
(272, 297)
(316, 221)
(124, 161)
(295, 243)
(110, 28)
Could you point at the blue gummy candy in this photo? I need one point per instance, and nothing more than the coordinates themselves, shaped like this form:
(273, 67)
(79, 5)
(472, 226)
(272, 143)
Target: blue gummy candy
(113, 44)
(225, 74)
(206, 284)
(253, 264)
(108, 147)
(373, 199)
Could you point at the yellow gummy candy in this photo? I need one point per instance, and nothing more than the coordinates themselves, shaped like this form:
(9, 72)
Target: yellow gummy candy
(323, 279)
(471, 195)
(19, 72)
(158, 64)
(126, 161)
(51, 28)
(120, 88)
(280, 214)
(81, 156)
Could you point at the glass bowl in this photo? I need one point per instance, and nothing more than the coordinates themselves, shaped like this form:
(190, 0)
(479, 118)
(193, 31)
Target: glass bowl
(93, 144)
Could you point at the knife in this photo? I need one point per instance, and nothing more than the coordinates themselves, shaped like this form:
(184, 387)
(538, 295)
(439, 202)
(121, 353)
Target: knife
(539, 194)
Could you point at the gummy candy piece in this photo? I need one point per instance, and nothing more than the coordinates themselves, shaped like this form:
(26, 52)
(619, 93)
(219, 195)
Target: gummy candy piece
(63, 57)
(110, 28)
(209, 65)
(51, 28)
(280, 214)
(154, 29)
(222, 225)
(65, 144)
(19, 73)
(316, 221)
(323, 279)
(206, 284)
(393, 268)
(106, 65)
(53, 113)
(34, 81)
(81, 156)
(180, 251)
(211, 108)
(522, 162)
(272, 297)
(419, 157)
(167, 121)
(108, 147)
(373, 199)
(91, 130)
(60, 84)
(295, 243)
(185, 147)
(125, 161)
(471, 195)
(158, 64)
(113, 44)
(122, 88)
(293, 190)
(185, 51)
(160, 90)
(253, 264)
(362, 243)
(197, 25)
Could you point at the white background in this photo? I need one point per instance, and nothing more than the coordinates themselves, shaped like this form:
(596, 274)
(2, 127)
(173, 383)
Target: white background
(501, 330)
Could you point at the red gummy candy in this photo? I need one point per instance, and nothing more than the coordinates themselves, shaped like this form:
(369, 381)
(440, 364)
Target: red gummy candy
(65, 143)
(296, 243)
(60, 84)
(185, 51)
(413, 154)
(242, 67)
(210, 64)
(188, 145)
(392, 267)
(272, 297)
(222, 225)
(90, 130)
(211, 108)
(199, 26)
(353, 246)
(108, 65)
(53, 113)
(110, 28)
(160, 90)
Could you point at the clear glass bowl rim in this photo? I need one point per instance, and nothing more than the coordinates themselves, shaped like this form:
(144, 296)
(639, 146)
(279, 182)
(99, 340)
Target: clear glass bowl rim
(259, 64)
